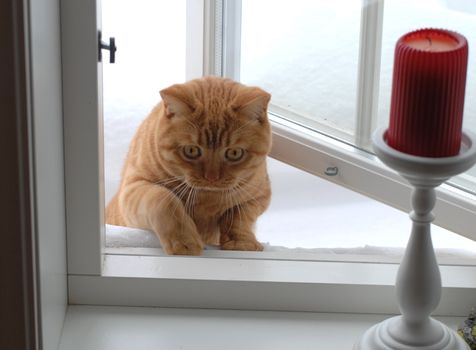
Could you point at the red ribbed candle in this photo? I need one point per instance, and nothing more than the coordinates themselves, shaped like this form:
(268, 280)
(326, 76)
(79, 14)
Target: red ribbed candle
(429, 78)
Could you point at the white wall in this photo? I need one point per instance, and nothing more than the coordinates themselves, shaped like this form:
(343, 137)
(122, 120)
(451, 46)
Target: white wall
(48, 135)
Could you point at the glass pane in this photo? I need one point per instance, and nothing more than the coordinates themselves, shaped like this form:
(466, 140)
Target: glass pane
(148, 59)
(305, 53)
(402, 16)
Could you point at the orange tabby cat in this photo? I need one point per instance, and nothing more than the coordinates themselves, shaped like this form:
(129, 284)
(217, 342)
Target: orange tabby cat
(196, 171)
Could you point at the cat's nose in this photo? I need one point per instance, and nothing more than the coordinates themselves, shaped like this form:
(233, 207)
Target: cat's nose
(212, 176)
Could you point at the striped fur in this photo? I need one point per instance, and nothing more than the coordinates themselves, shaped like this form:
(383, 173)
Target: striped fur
(213, 199)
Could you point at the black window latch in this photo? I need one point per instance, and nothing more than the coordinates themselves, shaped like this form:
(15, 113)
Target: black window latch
(111, 47)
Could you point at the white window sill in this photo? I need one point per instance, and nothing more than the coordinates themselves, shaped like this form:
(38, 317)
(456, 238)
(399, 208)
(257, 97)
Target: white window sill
(259, 284)
(125, 328)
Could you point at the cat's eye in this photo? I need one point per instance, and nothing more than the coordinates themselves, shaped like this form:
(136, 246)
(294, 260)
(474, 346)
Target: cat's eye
(234, 154)
(192, 152)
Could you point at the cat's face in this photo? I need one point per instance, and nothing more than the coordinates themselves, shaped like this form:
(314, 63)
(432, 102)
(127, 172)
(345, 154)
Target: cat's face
(214, 133)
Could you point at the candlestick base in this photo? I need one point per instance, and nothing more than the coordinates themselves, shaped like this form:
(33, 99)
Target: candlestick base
(418, 285)
(394, 334)
(427, 171)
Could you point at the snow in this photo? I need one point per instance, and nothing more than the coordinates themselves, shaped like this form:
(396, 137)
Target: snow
(125, 237)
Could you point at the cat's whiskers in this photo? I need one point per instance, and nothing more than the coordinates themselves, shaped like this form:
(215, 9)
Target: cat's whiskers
(246, 182)
(210, 189)
(192, 202)
(230, 212)
(180, 194)
(173, 198)
(236, 205)
(249, 196)
(240, 218)
(169, 179)
(250, 192)
(171, 195)
(223, 203)
(190, 199)
(187, 200)
(183, 196)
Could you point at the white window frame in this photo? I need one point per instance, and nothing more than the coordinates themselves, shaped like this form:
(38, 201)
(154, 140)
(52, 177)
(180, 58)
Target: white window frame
(217, 279)
(83, 136)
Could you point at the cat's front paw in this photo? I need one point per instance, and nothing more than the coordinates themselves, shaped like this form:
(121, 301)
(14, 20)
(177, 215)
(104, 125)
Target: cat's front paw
(241, 244)
(184, 246)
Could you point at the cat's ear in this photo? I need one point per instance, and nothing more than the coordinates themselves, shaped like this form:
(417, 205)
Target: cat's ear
(176, 101)
(252, 102)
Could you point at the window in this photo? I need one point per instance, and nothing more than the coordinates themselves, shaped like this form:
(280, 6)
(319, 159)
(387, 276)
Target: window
(322, 284)
(352, 43)
(313, 84)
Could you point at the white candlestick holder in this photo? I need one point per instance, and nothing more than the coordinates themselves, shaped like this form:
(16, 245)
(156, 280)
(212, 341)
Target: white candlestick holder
(418, 285)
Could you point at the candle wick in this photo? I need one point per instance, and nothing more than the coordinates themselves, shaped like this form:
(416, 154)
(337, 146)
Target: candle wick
(429, 40)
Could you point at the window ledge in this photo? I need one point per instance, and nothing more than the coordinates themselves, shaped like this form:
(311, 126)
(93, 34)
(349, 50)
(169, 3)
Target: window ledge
(119, 328)
(280, 285)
